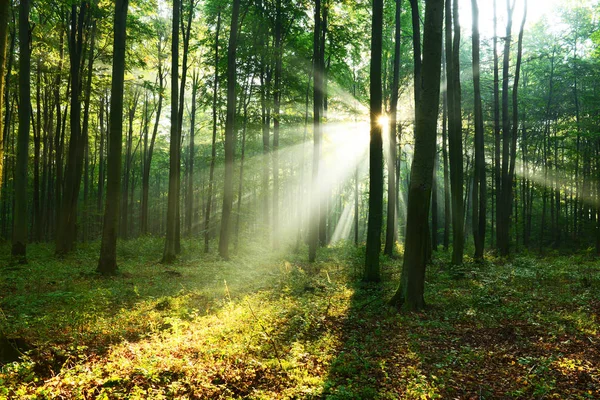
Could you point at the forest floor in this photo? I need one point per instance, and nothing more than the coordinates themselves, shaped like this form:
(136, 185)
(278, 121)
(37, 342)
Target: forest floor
(272, 326)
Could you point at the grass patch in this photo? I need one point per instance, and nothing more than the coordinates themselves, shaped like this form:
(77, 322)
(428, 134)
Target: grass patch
(266, 326)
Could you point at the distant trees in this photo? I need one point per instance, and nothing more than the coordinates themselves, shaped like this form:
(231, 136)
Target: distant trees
(522, 130)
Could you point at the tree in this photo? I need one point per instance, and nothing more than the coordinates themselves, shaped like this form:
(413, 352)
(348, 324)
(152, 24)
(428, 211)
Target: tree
(313, 225)
(412, 283)
(149, 148)
(4, 14)
(213, 157)
(19, 239)
(455, 152)
(229, 133)
(391, 225)
(107, 265)
(67, 222)
(170, 251)
(479, 182)
(372, 269)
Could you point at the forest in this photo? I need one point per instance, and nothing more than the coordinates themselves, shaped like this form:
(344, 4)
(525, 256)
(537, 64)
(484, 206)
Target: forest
(293, 199)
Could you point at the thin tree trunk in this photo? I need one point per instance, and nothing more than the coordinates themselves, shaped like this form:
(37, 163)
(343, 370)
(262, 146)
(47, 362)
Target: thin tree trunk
(67, 223)
(479, 200)
(170, 251)
(372, 268)
(276, 118)
(19, 237)
(229, 134)
(190, 214)
(4, 20)
(391, 226)
(211, 175)
(313, 226)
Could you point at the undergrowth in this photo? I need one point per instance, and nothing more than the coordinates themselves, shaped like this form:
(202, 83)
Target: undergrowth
(267, 325)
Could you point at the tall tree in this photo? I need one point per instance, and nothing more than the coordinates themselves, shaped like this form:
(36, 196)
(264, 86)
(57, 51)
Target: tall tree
(372, 269)
(190, 209)
(505, 188)
(4, 19)
(276, 117)
(67, 223)
(229, 133)
(455, 152)
(213, 156)
(149, 148)
(313, 226)
(479, 183)
(412, 283)
(391, 225)
(170, 251)
(19, 237)
(107, 265)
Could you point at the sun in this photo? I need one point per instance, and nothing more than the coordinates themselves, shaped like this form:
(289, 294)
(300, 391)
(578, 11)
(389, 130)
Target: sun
(383, 120)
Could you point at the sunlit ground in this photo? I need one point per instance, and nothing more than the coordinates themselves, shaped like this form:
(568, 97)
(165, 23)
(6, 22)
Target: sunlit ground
(268, 326)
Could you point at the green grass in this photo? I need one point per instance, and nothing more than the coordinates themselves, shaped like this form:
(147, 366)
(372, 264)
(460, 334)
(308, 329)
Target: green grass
(267, 325)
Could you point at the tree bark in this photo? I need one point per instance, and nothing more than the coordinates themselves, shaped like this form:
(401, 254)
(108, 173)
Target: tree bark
(479, 200)
(4, 20)
(229, 134)
(313, 225)
(391, 226)
(170, 251)
(107, 265)
(276, 118)
(412, 284)
(372, 268)
(19, 237)
(455, 130)
(67, 223)
(213, 157)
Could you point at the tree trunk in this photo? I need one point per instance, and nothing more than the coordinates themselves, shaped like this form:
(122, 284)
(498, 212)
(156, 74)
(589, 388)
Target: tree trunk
(170, 250)
(313, 225)
(412, 283)
(372, 268)
(213, 157)
(107, 264)
(67, 223)
(503, 200)
(391, 226)
(37, 138)
(148, 159)
(455, 131)
(229, 134)
(515, 127)
(479, 200)
(246, 102)
(4, 20)
(447, 209)
(276, 118)
(190, 213)
(19, 237)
